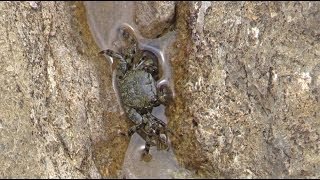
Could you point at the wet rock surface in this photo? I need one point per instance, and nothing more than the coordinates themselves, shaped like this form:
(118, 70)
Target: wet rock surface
(246, 78)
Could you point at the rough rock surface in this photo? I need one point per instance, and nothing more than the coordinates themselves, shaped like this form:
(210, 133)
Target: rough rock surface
(54, 90)
(250, 70)
(154, 17)
(252, 81)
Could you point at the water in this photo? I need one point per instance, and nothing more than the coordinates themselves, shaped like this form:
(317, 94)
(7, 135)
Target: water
(105, 19)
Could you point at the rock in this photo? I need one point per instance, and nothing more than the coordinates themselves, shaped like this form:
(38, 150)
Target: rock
(246, 78)
(154, 17)
(250, 77)
(53, 94)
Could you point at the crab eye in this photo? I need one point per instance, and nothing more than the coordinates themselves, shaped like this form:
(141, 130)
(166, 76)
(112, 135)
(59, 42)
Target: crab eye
(154, 99)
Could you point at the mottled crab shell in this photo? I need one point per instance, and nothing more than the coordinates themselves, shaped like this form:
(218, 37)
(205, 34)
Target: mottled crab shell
(138, 90)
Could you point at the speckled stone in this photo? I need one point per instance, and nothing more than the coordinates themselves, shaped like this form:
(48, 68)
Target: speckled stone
(247, 83)
(154, 18)
(251, 75)
(51, 92)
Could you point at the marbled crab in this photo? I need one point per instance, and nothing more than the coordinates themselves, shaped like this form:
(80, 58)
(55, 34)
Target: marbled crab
(136, 75)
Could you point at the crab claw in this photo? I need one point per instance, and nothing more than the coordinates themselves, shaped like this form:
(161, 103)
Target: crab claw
(165, 94)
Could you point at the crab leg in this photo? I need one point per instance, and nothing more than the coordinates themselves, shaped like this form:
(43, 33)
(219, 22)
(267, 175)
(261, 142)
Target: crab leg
(113, 54)
(160, 141)
(134, 128)
(148, 145)
(122, 66)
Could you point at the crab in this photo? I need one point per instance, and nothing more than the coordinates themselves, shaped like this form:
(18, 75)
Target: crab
(136, 75)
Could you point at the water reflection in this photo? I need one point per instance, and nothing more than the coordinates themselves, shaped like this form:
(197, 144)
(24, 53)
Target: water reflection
(162, 165)
(105, 19)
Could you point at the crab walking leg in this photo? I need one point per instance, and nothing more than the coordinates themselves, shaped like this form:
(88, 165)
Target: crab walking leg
(136, 118)
(160, 129)
(146, 156)
(160, 122)
(164, 94)
(134, 128)
(113, 54)
(148, 145)
(163, 124)
(159, 140)
(123, 64)
(162, 141)
(155, 119)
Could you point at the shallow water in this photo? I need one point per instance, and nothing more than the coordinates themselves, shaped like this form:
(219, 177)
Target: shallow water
(104, 19)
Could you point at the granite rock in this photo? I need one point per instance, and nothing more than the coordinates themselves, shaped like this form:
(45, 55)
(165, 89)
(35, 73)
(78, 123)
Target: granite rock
(52, 92)
(251, 76)
(154, 18)
(246, 76)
